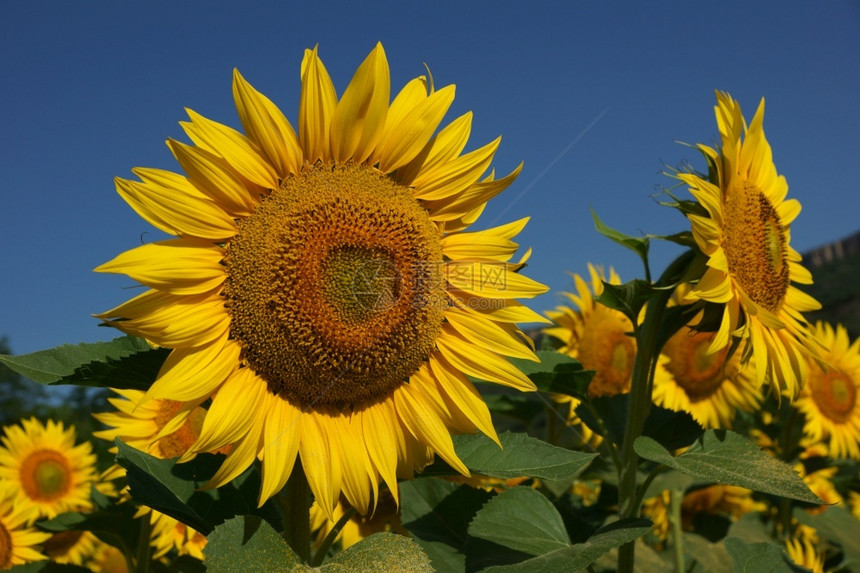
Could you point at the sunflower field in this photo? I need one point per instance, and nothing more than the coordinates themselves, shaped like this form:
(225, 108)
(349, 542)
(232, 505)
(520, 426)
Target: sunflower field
(331, 368)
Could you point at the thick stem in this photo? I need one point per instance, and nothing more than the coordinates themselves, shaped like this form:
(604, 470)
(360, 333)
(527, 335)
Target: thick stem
(143, 547)
(647, 351)
(295, 504)
(677, 496)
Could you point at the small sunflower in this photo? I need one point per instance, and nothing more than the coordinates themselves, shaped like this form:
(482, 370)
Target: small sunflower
(804, 554)
(751, 264)
(18, 542)
(169, 534)
(727, 500)
(830, 401)
(820, 482)
(599, 337)
(384, 518)
(50, 472)
(321, 288)
(108, 559)
(711, 386)
(73, 547)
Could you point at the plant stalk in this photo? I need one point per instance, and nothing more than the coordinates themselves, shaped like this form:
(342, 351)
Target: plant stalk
(294, 502)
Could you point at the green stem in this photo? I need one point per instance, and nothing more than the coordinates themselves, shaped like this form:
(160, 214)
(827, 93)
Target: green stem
(295, 504)
(647, 352)
(143, 547)
(552, 416)
(675, 499)
(332, 535)
(613, 451)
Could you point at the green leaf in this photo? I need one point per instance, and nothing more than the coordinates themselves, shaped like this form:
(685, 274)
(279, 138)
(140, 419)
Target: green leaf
(246, 544)
(125, 362)
(581, 555)
(636, 244)
(684, 238)
(520, 456)
(628, 298)
(713, 557)
(728, 458)
(520, 406)
(378, 553)
(756, 557)
(836, 524)
(556, 373)
(172, 488)
(522, 519)
(437, 513)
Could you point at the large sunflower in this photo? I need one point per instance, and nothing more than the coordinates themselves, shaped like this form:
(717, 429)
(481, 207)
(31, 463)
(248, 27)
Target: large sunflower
(711, 386)
(18, 542)
(830, 401)
(50, 472)
(322, 290)
(596, 335)
(751, 264)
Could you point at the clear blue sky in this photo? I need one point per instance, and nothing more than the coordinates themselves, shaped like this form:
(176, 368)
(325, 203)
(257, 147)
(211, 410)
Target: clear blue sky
(92, 89)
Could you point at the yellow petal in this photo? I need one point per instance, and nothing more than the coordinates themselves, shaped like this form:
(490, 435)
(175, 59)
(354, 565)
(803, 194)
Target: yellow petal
(211, 175)
(180, 266)
(463, 394)
(281, 444)
(316, 108)
(230, 415)
(178, 209)
(479, 363)
(321, 467)
(377, 424)
(491, 280)
(194, 373)
(359, 117)
(447, 144)
(267, 126)
(454, 176)
(487, 334)
(473, 197)
(242, 454)
(403, 140)
(356, 469)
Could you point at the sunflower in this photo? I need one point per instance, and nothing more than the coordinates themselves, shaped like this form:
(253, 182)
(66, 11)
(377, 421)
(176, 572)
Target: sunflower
(830, 401)
(804, 554)
(820, 482)
(728, 500)
(384, 518)
(322, 289)
(74, 547)
(751, 265)
(599, 337)
(108, 559)
(168, 534)
(17, 541)
(50, 472)
(710, 386)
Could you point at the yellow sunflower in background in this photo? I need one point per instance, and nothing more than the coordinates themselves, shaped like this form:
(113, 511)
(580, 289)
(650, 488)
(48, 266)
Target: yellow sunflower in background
(108, 559)
(596, 335)
(830, 401)
(384, 518)
(804, 553)
(73, 547)
(711, 386)
(50, 472)
(18, 541)
(751, 264)
(820, 482)
(321, 288)
(169, 534)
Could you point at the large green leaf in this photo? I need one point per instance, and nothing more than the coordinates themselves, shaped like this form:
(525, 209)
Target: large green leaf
(728, 458)
(437, 513)
(627, 298)
(124, 362)
(556, 373)
(756, 557)
(578, 557)
(520, 456)
(522, 519)
(378, 553)
(173, 489)
(248, 543)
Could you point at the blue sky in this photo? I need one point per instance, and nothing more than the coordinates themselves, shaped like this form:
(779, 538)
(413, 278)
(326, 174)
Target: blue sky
(593, 97)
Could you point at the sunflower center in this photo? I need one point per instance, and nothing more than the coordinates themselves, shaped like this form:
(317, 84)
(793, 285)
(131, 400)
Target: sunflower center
(834, 393)
(6, 548)
(45, 475)
(179, 442)
(606, 348)
(327, 283)
(755, 245)
(59, 544)
(700, 374)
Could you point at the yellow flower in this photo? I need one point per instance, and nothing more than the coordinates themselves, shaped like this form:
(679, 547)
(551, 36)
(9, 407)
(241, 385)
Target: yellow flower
(168, 533)
(108, 559)
(17, 541)
(820, 483)
(74, 547)
(50, 472)
(384, 518)
(599, 337)
(803, 553)
(322, 290)
(711, 386)
(829, 402)
(728, 500)
(751, 264)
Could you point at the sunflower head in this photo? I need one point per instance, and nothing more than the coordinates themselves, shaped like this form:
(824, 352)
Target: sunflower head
(322, 289)
(830, 401)
(52, 474)
(746, 235)
(18, 541)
